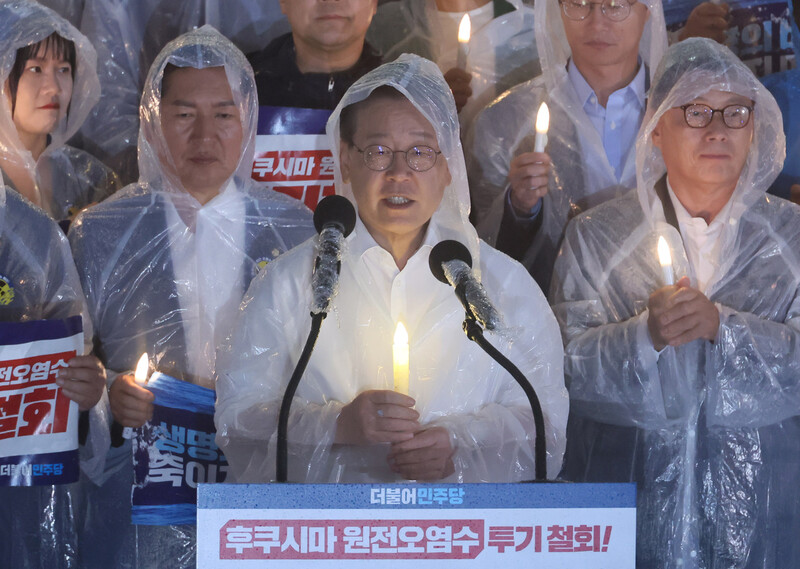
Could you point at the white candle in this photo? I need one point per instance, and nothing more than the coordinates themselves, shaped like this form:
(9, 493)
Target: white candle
(140, 377)
(542, 126)
(400, 359)
(665, 259)
(464, 32)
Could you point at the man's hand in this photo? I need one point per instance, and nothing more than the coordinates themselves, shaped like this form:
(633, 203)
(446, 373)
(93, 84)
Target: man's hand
(83, 381)
(528, 177)
(427, 456)
(680, 314)
(707, 20)
(458, 81)
(377, 416)
(794, 193)
(131, 404)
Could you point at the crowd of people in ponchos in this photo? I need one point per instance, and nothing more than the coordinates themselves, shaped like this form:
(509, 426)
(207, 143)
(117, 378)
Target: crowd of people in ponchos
(127, 139)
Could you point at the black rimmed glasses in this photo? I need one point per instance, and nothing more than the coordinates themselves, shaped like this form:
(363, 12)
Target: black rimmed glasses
(616, 10)
(378, 157)
(698, 115)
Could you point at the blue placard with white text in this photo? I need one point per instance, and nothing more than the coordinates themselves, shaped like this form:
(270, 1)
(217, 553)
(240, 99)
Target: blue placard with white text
(174, 452)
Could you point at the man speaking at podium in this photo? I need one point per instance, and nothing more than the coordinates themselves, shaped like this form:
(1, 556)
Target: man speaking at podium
(463, 419)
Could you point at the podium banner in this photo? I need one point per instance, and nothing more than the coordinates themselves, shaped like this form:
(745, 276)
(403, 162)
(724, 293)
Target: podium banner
(292, 153)
(570, 526)
(38, 423)
(759, 32)
(174, 452)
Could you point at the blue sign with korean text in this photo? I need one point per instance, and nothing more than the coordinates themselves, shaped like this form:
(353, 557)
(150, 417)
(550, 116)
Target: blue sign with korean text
(174, 452)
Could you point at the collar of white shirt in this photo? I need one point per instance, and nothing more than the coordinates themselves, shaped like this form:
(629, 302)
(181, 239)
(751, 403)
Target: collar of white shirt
(361, 242)
(633, 91)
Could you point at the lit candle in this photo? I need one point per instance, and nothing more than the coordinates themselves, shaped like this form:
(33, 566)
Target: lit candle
(542, 125)
(140, 377)
(400, 359)
(464, 32)
(665, 258)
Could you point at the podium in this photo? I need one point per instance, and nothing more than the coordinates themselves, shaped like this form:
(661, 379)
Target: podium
(580, 526)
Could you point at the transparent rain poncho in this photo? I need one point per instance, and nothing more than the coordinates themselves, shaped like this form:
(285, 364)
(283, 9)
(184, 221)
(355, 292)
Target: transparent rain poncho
(165, 275)
(501, 54)
(582, 175)
(41, 523)
(454, 383)
(129, 35)
(66, 178)
(708, 430)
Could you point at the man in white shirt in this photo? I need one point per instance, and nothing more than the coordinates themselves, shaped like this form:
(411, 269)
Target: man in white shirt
(684, 369)
(463, 418)
(166, 262)
(597, 60)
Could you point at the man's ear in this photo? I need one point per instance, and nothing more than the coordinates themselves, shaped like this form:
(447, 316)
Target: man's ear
(344, 160)
(656, 134)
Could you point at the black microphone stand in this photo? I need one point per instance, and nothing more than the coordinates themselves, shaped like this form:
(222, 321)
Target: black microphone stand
(282, 459)
(474, 332)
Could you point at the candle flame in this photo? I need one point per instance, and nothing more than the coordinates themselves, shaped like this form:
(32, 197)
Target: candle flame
(664, 255)
(142, 367)
(464, 29)
(400, 334)
(543, 119)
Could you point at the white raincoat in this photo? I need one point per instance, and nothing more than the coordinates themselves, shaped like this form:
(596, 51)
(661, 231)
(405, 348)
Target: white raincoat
(455, 384)
(41, 523)
(708, 430)
(501, 54)
(158, 284)
(582, 175)
(66, 178)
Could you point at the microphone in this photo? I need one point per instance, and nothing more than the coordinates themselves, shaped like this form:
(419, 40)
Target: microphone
(334, 219)
(451, 263)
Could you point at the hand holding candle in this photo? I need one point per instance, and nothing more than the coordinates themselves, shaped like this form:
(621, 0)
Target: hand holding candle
(542, 126)
(400, 359)
(140, 376)
(464, 32)
(665, 259)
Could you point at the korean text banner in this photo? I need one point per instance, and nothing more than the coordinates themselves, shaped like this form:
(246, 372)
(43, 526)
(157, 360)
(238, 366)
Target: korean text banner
(38, 423)
(569, 526)
(759, 32)
(292, 153)
(174, 452)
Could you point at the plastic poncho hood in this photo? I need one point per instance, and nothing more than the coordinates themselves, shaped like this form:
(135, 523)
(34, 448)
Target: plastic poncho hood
(200, 49)
(554, 50)
(422, 83)
(689, 70)
(25, 23)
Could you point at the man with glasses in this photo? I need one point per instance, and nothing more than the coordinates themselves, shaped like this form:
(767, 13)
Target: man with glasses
(679, 303)
(460, 417)
(597, 60)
